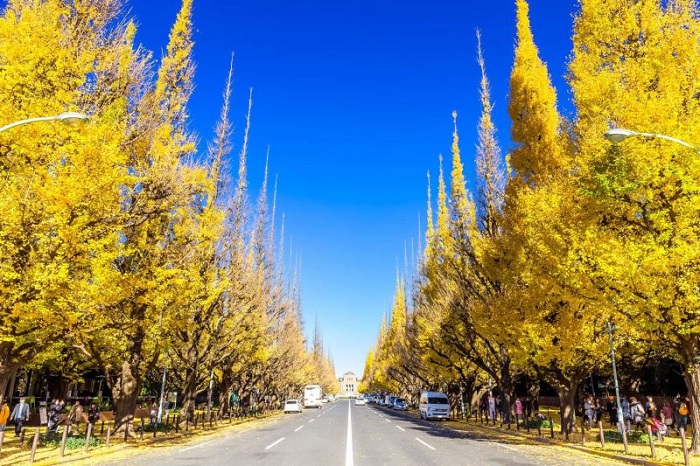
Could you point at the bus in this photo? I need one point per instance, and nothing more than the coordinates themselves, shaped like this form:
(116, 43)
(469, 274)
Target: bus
(313, 396)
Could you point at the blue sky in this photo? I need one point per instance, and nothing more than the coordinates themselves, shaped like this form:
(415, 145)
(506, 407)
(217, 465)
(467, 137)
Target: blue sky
(354, 100)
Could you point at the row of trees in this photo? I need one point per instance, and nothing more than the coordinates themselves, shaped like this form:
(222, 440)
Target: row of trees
(121, 247)
(522, 273)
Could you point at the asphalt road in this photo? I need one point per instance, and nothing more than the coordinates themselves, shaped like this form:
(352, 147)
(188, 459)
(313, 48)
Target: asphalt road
(346, 435)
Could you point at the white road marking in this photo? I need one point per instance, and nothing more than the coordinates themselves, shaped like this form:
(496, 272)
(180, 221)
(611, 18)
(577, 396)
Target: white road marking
(197, 446)
(348, 443)
(318, 416)
(298, 428)
(273, 444)
(401, 429)
(432, 448)
(505, 446)
(312, 420)
(387, 420)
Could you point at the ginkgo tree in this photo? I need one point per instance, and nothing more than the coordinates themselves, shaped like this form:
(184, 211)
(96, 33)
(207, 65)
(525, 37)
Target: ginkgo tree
(635, 66)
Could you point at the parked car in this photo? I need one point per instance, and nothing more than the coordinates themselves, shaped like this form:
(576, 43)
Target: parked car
(292, 406)
(434, 405)
(400, 404)
(360, 401)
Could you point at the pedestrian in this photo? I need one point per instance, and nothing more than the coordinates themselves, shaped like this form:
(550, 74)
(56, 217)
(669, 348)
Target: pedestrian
(667, 415)
(75, 415)
(683, 412)
(612, 410)
(650, 408)
(93, 413)
(676, 406)
(518, 410)
(492, 408)
(153, 415)
(588, 412)
(20, 415)
(637, 413)
(599, 410)
(4, 414)
(626, 414)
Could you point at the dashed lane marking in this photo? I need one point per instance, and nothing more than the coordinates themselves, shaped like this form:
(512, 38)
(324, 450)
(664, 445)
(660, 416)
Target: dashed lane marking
(401, 429)
(429, 446)
(298, 428)
(273, 444)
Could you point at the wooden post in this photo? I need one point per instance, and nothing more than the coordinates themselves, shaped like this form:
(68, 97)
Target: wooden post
(35, 443)
(102, 428)
(686, 458)
(142, 429)
(195, 420)
(126, 431)
(87, 437)
(517, 421)
(583, 432)
(64, 437)
(651, 442)
(602, 435)
(109, 435)
(527, 423)
(167, 423)
(155, 428)
(177, 423)
(210, 421)
(551, 428)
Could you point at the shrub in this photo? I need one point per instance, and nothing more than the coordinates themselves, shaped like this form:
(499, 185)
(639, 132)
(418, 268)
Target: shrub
(53, 439)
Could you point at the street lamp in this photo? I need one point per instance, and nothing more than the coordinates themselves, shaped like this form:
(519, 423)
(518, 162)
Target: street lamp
(620, 415)
(617, 135)
(65, 117)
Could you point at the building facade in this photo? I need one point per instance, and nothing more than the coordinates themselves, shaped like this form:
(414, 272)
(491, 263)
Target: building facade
(349, 385)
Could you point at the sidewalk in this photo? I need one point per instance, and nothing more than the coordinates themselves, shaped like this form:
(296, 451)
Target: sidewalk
(668, 452)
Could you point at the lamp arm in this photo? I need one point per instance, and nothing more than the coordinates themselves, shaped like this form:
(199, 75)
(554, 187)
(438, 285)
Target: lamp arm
(28, 120)
(669, 138)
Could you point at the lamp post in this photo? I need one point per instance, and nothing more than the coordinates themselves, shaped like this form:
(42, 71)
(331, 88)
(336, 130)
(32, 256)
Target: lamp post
(617, 135)
(66, 117)
(620, 417)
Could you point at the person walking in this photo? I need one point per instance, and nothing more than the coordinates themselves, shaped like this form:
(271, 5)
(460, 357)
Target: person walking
(626, 414)
(20, 415)
(650, 408)
(637, 413)
(75, 415)
(588, 412)
(93, 413)
(518, 410)
(667, 415)
(4, 414)
(492, 408)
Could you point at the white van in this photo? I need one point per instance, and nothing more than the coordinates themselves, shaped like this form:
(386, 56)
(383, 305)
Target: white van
(434, 405)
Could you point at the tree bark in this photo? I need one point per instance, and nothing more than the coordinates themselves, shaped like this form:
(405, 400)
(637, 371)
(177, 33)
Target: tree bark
(506, 386)
(692, 380)
(129, 386)
(567, 411)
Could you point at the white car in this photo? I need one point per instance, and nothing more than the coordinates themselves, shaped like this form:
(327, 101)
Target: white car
(292, 406)
(360, 401)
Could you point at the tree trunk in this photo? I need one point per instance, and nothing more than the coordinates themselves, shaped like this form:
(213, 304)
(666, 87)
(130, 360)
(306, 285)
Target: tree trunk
(128, 390)
(567, 412)
(507, 388)
(225, 391)
(189, 391)
(692, 380)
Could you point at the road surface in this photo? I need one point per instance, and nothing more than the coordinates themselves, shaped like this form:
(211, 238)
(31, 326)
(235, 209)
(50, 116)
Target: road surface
(347, 435)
